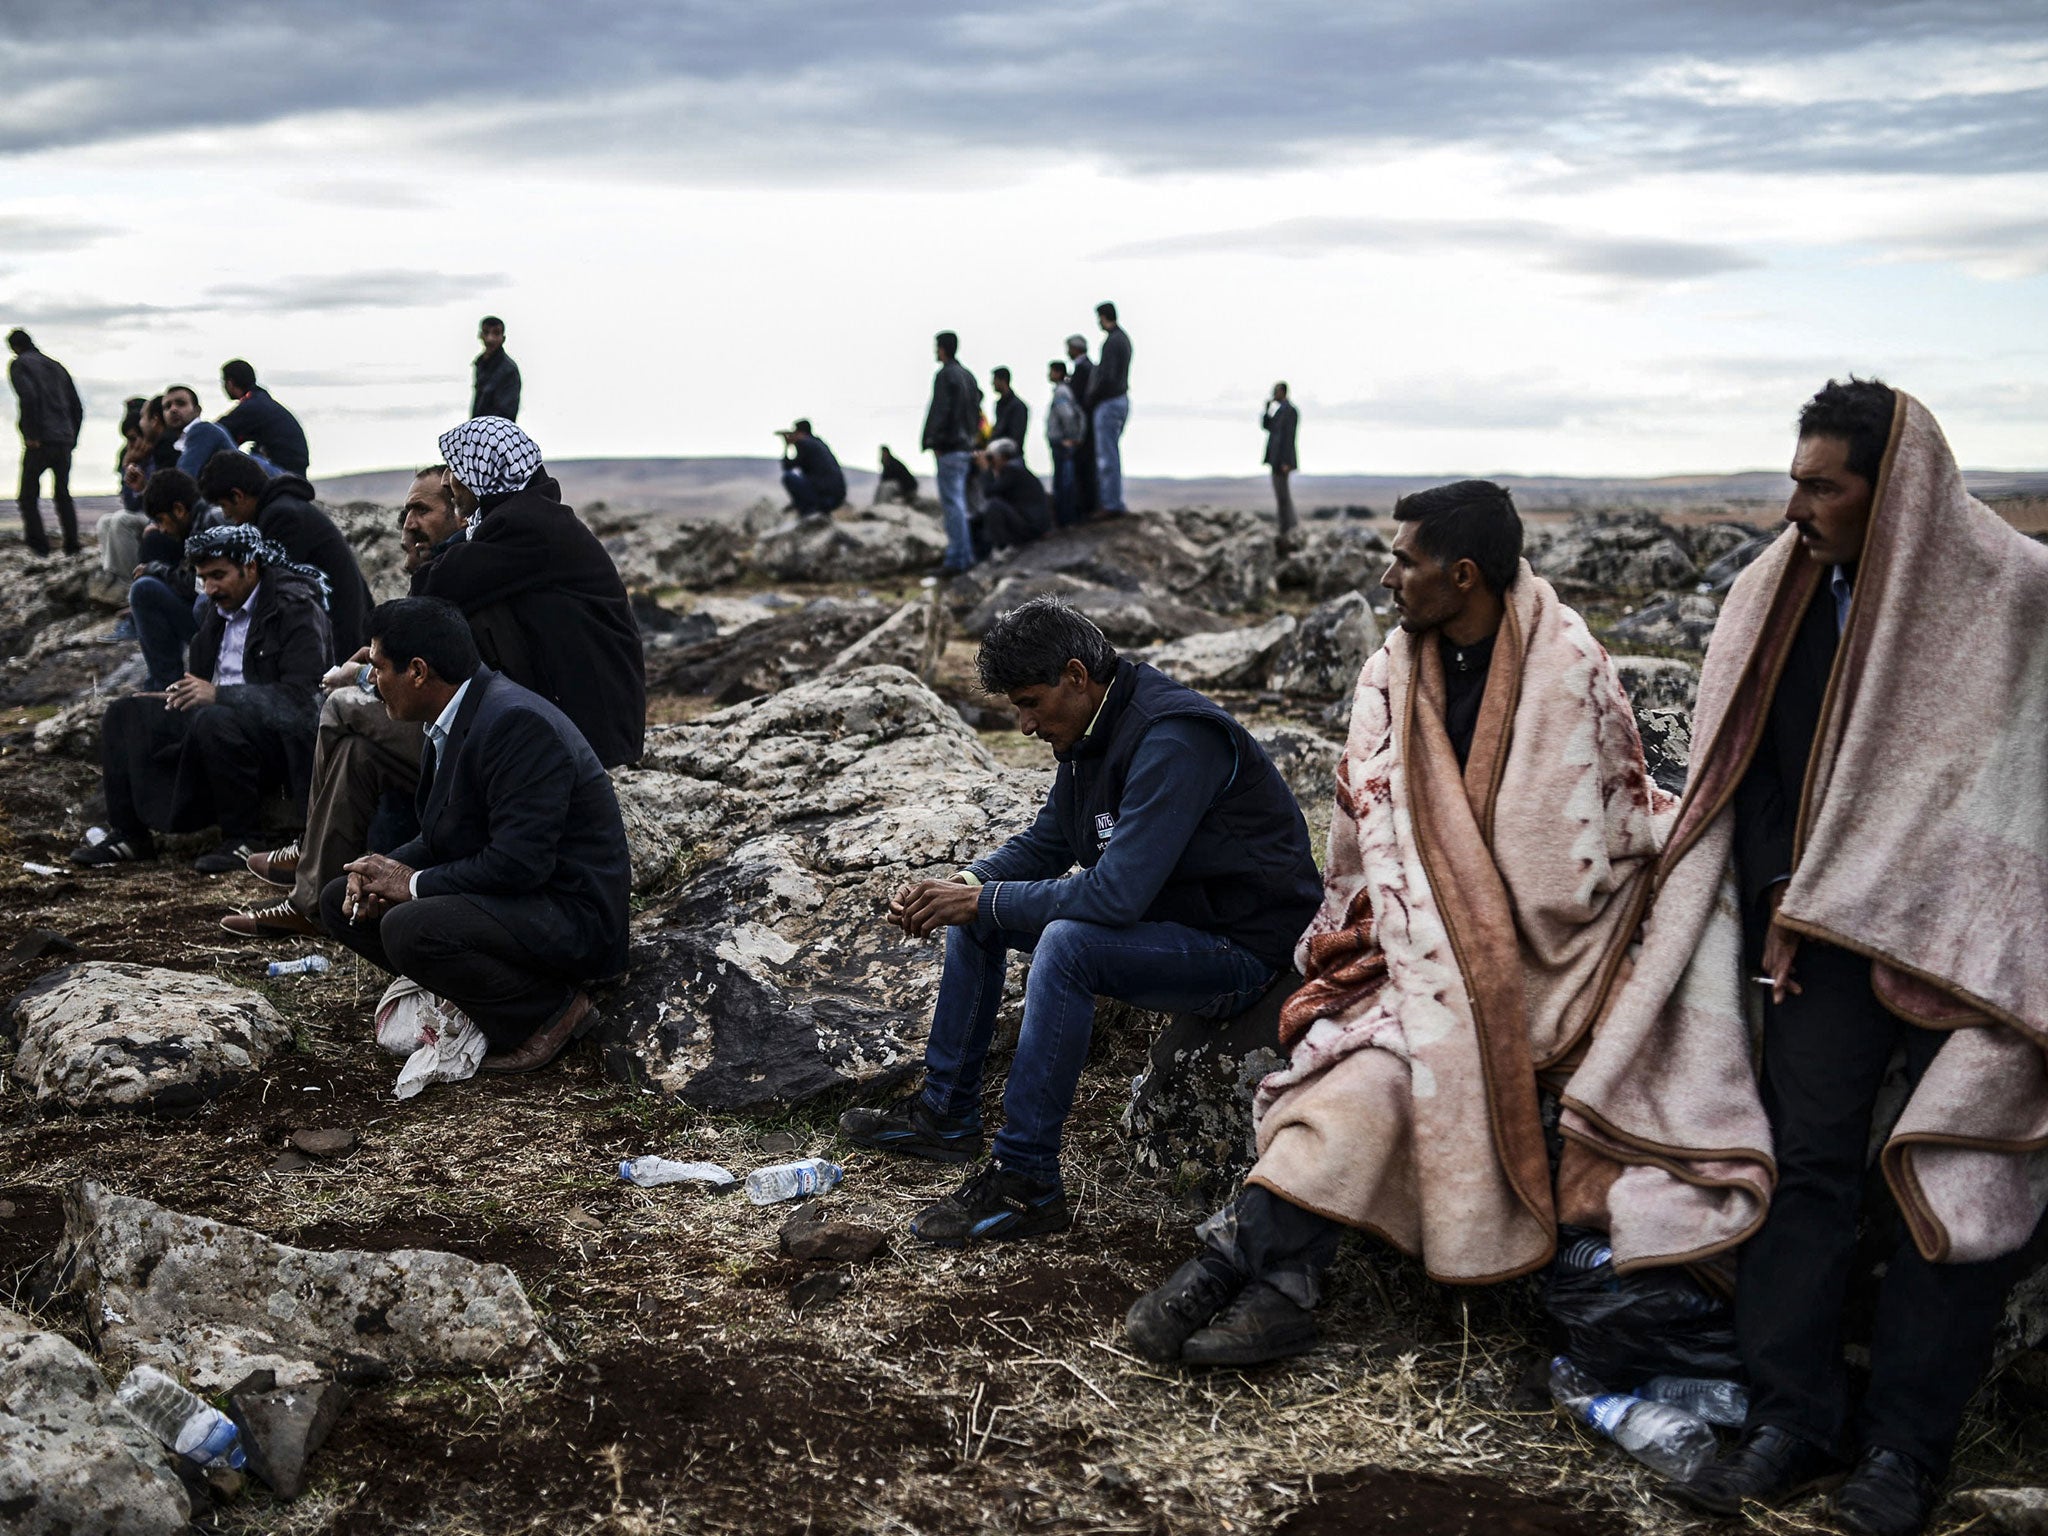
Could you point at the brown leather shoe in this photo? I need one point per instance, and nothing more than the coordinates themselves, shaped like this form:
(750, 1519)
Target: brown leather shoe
(280, 920)
(577, 1018)
(280, 866)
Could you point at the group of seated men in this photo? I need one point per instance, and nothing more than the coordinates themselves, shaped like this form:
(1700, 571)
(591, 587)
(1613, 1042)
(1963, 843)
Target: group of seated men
(1512, 910)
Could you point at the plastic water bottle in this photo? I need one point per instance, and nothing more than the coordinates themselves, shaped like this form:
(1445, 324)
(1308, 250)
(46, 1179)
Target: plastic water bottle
(785, 1181)
(1585, 1253)
(183, 1420)
(650, 1171)
(309, 965)
(1725, 1403)
(1663, 1438)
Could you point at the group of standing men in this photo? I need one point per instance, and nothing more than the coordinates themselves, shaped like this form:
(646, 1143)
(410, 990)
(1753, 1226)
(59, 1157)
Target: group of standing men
(1512, 911)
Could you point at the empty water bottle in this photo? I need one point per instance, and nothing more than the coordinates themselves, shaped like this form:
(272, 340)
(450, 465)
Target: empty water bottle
(785, 1181)
(309, 965)
(183, 1420)
(1663, 1438)
(1725, 1403)
(650, 1171)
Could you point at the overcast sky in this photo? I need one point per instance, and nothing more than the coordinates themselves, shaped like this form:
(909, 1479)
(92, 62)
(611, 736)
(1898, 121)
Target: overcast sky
(1558, 236)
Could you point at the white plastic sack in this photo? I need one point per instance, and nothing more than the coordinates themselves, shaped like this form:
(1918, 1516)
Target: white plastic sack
(440, 1043)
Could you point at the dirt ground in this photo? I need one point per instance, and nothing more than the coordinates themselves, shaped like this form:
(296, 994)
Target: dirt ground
(940, 1392)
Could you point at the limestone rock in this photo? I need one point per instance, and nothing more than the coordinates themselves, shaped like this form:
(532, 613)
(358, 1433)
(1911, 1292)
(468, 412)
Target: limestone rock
(1667, 745)
(1230, 658)
(1658, 682)
(374, 538)
(1719, 574)
(1138, 552)
(1127, 618)
(72, 656)
(1334, 558)
(1324, 655)
(1708, 543)
(1683, 622)
(73, 731)
(2007, 1511)
(675, 825)
(769, 655)
(71, 1460)
(887, 541)
(913, 638)
(1307, 762)
(104, 1035)
(283, 1426)
(770, 978)
(1190, 1115)
(210, 1303)
(34, 594)
(1615, 552)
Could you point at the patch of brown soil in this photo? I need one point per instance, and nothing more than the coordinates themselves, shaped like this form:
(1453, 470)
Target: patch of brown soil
(1428, 1504)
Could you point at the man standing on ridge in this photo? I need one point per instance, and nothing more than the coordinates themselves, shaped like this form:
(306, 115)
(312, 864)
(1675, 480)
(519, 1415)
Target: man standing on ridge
(951, 428)
(1109, 407)
(1080, 376)
(51, 415)
(496, 388)
(1013, 416)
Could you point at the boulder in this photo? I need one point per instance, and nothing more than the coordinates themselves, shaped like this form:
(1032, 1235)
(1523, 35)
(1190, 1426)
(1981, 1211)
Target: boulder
(1719, 574)
(768, 655)
(1127, 618)
(74, 730)
(884, 541)
(1190, 1114)
(1322, 658)
(2005, 1511)
(70, 657)
(375, 539)
(1615, 552)
(1709, 542)
(1307, 761)
(1683, 621)
(211, 1303)
(283, 1426)
(1332, 559)
(1230, 658)
(35, 594)
(769, 977)
(71, 1460)
(1658, 682)
(1667, 745)
(913, 638)
(1138, 552)
(104, 1035)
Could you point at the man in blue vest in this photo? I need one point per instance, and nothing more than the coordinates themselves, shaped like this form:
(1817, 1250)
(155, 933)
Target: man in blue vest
(1194, 882)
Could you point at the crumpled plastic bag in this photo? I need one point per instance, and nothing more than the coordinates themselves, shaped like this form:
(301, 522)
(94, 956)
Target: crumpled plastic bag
(440, 1043)
(1625, 1329)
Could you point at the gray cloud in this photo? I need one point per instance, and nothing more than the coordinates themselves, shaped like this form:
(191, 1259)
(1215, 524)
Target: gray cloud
(1551, 245)
(387, 288)
(50, 309)
(21, 232)
(781, 88)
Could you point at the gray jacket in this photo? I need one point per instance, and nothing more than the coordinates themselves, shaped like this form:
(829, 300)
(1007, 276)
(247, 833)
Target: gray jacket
(1064, 422)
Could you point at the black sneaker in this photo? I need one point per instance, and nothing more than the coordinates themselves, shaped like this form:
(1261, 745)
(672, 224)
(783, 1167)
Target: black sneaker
(904, 1125)
(115, 850)
(231, 854)
(1162, 1320)
(995, 1203)
(1260, 1325)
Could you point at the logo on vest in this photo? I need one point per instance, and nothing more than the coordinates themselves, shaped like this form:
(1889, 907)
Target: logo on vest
(1105, 823)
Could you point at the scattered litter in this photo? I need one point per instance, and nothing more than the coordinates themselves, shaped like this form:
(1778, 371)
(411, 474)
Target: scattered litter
(1663, 1438)
(785, 1181)
(185, 1422)
(440, 1043)
(650, 1171)
(40, 869)
(305, 965)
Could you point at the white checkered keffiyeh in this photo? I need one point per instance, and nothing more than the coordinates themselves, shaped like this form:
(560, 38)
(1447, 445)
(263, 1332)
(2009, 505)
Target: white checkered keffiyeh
(490, 455)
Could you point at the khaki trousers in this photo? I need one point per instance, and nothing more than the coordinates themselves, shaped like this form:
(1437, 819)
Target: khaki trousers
(359, 754)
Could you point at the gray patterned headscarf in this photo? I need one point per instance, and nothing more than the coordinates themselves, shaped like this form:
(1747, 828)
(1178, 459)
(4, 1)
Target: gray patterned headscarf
(243, 542)
(490, 455)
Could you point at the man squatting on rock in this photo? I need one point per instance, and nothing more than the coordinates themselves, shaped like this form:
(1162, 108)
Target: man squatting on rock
(1493, 831)
(1194, 878)
(513, 896)
(1870, 723)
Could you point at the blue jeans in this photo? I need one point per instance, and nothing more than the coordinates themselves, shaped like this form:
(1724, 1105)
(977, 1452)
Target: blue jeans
(1110, 417)
(806, 497)
(953, 470)
(1064, 509)
(165, 623)
(1160, 966)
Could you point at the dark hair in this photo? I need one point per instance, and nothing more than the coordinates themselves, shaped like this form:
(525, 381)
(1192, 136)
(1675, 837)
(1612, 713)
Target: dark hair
(238, 373)
(1467, 520)
(131, 416)
(168, 488)
(948, 343)
(18, 339)
(801, 424)
(172, 389)
(1031, 645)
(490, 320)
(999, 373)
(1060, 364)
(431, 629)
(1858, 413)
(226, 472)
(1106, 309)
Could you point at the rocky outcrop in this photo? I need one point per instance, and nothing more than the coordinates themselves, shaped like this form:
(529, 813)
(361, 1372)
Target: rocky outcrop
(1230, 658)
(769, 977)
(1683, 621)
(103, 1035)
(69, 658)
(211, 1303)
(1322, 658)
(864, 546)
(1145, 552)
(72, 1461)
(375, 539)
(1615, 553)
(1719, 574)
(1126, 618)
(1331, 559)
(1307, 761)
(913, 638)
(1658, 682)
(768, 655)
(1190, 1113)
(1667, 745)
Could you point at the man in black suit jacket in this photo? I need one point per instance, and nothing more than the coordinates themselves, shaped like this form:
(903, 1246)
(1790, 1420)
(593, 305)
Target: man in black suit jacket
(514, 893)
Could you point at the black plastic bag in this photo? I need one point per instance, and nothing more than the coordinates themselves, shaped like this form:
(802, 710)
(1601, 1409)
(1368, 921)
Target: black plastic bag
(1624, 1329)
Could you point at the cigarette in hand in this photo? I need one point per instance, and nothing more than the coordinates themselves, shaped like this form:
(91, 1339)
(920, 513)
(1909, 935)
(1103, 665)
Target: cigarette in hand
(1764, 981)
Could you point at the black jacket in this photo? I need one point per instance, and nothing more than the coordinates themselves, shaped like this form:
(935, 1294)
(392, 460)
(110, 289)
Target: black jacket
(549, 610)
(1013, 419)
(1278, 420)
(51, 412)
(285, 515)
(496, 390)
(287, 650)
(1767, 798)
(821, 468)
(270, 429)
(954, 421)
(1080, 380)
(1022, 489)
(519, 816)
(1112, 376)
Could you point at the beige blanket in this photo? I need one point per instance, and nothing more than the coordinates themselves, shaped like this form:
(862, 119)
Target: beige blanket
(1471, 927)
(1922, 834)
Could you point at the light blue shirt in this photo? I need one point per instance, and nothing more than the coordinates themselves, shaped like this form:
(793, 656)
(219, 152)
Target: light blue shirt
(234, 639)
(437, 738)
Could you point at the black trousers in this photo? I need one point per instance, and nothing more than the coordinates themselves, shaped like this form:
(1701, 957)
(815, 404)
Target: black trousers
(457, 950)
(1825, 1051)
(171, 770)
(57, 461)
(1003, 525)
